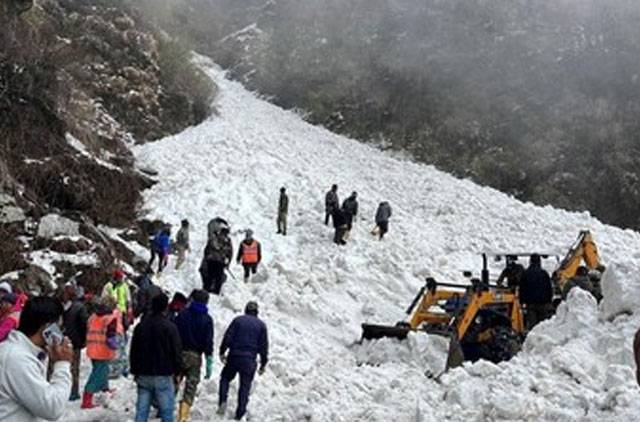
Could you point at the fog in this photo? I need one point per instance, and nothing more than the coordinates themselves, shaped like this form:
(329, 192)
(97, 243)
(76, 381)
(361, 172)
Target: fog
(537, 98)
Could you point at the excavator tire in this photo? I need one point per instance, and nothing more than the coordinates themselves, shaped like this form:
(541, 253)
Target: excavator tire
(502, 346)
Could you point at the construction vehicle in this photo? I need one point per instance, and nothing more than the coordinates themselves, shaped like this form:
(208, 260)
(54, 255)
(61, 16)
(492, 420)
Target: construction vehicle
(483, 321)
(584, 249)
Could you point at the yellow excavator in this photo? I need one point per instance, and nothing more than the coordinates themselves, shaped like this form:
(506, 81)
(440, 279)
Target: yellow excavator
(483, 321)
(583, 252)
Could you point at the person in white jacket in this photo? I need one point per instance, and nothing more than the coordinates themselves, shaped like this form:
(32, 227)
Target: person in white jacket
(25, 393)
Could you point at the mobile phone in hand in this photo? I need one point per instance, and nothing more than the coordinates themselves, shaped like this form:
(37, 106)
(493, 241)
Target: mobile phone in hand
(53, 335)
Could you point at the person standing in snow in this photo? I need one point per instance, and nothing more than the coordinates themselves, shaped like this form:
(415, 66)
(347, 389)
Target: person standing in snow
(74, 326)
(249, 254)
(195, 327)
(178, 303)
(382, 219)
(217, 256)
(350, 209)
(182, 243)
(156, 358)
(245, 339)
(536, 292)
(25, 393)
(283, 210)
(9, 319)
(331, 203)
(103, 330)
(161, 246)
(147, 290)
(340, 226)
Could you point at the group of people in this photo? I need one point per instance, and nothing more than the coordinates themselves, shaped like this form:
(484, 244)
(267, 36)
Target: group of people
(40, 354)
(536, 289)
(344, 216)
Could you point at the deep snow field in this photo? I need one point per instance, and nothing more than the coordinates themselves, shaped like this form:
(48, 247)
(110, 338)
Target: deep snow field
(314, 295)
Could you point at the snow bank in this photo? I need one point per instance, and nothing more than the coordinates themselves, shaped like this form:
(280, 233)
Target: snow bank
(314, 295)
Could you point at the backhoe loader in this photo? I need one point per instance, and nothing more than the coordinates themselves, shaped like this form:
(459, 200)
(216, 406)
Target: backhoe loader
(483, 321)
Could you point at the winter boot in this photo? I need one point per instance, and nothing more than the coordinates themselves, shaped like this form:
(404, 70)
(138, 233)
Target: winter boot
(183, 411)
(87, 401)
(222, 408)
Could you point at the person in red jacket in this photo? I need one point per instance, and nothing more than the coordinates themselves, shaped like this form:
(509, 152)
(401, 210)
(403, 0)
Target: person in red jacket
(249, 254)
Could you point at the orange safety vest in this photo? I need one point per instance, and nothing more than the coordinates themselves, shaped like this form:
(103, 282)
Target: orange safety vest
(97, 348)
(250, 253)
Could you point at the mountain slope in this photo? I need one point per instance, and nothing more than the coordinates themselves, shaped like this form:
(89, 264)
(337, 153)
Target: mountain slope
(314, 295)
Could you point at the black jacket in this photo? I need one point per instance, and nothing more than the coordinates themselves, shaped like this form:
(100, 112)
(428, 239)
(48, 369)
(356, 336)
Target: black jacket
(195, 326)
(74, 323)
(339, 218)
(156, 347)
(350, 206)
(535, 286)
(331, 201)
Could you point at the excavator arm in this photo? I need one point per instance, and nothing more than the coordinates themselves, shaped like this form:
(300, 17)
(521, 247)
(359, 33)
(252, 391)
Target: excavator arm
(583, 250)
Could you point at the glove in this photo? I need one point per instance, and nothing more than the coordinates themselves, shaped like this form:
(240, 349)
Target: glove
(209, 367)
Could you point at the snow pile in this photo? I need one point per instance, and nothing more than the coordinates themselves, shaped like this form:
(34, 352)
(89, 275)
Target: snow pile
(314, 295)
(53, 225)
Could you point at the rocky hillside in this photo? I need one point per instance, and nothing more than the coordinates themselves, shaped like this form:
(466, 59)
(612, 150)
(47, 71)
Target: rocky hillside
(80, 81)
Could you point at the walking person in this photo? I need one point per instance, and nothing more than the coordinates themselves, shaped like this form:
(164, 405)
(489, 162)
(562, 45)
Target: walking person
(25, 392)
(102, 342)
(331, 203)
(74, 326)
(217, 256)
(195, 327)
(382, 219)
(182, 243)
(249, 254)
(245, 339)
(156, 358)
(160, 247)
(340, 226)
(536, 292)
(350, 210)
(283, 210)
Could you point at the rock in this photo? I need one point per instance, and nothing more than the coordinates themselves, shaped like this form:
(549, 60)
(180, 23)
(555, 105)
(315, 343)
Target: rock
(52, 225)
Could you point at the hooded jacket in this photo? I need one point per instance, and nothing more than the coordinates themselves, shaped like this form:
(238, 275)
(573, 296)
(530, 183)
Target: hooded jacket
(195, 326)
(383, 213)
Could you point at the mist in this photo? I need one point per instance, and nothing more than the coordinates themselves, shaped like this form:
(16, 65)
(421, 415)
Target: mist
(536, 98)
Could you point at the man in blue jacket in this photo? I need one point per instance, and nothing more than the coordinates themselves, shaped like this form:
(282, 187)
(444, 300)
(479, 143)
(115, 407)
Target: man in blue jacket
(196, 332)
(245, 338)
(161, 246)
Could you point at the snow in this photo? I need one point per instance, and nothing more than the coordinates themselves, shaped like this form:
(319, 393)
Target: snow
(9, 213)
(52, 225)
(314, 295)
(82, 150)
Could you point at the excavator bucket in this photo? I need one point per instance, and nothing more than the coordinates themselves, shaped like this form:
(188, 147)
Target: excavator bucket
(455, 357)
(372, 332)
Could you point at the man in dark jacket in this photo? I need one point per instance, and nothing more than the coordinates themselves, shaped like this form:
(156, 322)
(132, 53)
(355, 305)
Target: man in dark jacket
(331, 203)
(156, 358)
(382, 218)
(350, 209)
(74, 321)
(245, 338)
(512, 272)
(536, 292)
(147, 290)
(196, 332)
(283, 211)
(217, 256)
(340, 226)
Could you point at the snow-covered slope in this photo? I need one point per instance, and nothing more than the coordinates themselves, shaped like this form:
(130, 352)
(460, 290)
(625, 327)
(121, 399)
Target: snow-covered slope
(314, 295)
